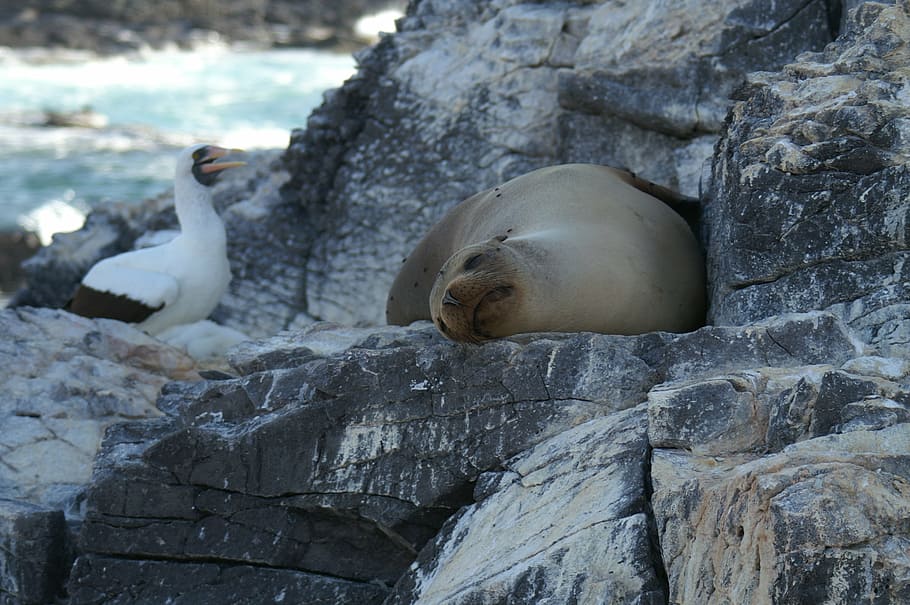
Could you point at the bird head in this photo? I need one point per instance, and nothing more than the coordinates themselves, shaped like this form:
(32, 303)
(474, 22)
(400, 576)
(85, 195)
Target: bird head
(200, 162)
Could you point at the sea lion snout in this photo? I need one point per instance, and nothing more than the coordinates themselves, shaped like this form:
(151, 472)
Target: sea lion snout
(473, 292)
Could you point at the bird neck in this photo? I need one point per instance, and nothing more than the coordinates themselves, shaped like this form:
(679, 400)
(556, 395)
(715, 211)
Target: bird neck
(197, 217)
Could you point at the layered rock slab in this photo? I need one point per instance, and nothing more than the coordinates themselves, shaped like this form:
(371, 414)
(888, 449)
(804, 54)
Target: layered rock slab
(342, 452)
(512, 545)
(785, 485)
(66, 379)
(34, 554)
(120, 582)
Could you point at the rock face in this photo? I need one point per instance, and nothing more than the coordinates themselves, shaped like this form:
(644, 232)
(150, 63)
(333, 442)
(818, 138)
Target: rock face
(16, 246)
(510, 545)
(65, 380)
(814, 518)
(809, 196)
(390, 433)
(760, 459)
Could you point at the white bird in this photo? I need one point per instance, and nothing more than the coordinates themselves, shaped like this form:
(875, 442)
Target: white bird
(175, 283)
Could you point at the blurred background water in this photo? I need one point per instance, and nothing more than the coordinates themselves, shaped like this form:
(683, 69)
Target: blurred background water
(142, 109)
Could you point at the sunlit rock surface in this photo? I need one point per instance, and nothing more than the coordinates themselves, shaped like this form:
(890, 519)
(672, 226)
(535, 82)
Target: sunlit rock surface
(65, 380)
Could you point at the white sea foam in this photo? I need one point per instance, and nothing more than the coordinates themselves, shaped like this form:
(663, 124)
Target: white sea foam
(56, 216)
(370, 26)
(154, 103)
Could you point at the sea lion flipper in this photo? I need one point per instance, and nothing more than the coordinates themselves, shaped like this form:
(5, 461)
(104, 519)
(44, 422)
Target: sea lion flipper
(687, 207)
(665, 194)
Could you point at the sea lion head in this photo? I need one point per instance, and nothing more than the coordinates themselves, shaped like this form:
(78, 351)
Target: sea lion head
(477, 292)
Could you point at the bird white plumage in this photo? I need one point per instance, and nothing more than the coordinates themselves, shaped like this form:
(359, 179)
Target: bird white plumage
(175, 283)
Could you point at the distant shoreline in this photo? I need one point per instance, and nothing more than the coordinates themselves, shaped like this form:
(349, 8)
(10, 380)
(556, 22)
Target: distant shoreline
(123, 28)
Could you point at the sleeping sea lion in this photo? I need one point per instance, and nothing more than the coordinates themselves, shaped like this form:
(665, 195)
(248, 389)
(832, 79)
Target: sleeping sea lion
(575, 247)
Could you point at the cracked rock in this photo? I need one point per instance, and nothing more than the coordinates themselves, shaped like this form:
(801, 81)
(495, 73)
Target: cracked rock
(824, 520)
(65, 379)
(810, 193)
(514, 545)
(785, 484)
(389, 432)
(34, 553)
(122, 582)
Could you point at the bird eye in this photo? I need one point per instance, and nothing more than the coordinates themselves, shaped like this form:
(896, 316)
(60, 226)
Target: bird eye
(200, 154)
(473, 262)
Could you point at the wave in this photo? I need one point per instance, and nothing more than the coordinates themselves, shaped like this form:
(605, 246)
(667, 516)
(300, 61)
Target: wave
(147, 105)
(55, 216)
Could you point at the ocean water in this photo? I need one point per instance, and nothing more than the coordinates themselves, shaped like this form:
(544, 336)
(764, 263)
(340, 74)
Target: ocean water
(151, 105)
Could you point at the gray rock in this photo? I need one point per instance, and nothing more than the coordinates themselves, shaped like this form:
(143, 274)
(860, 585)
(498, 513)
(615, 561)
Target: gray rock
(387, 442)
(390, 430)
(34, 556)
(123, 582)
(65, 380)
(16, 245)
(674, 69)
(775, 484)
(513, 545)
(817, 522)
(810, 189)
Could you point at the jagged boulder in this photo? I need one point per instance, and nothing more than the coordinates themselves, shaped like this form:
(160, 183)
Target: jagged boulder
(810, 194)
(65, 379)
(812, 507)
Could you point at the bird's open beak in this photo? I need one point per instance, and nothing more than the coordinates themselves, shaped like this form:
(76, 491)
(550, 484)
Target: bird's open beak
(215, 153)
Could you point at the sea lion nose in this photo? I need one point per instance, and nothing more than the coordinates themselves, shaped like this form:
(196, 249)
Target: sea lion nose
(448, 299)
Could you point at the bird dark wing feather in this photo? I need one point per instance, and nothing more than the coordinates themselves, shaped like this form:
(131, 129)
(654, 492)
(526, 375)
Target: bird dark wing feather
(90, 302)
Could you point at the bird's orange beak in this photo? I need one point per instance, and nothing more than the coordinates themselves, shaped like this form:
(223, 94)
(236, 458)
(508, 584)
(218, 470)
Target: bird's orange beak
(215, 153)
